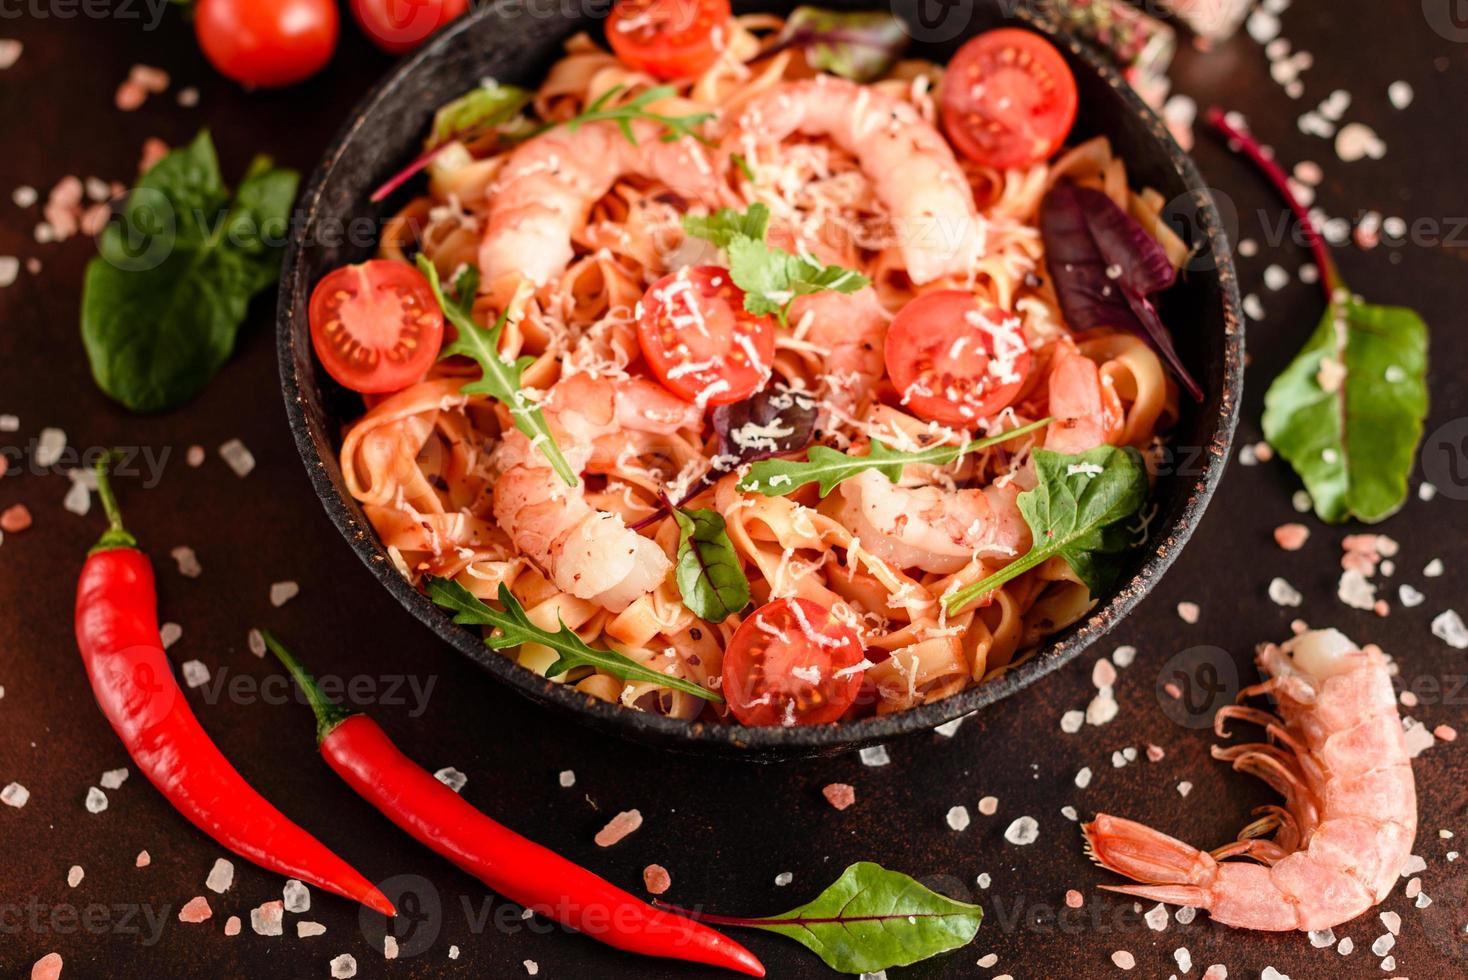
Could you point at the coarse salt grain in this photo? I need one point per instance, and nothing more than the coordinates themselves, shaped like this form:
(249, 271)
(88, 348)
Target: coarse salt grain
(1184, 788)
(988, 960)
(1409, 596)
(950, 728)
(96, 800)
(783, 878)
(1355, 590)
(839, 795)
(9, 423)
(307, 929)
(1433, 569)
(188, 561)
(983, 880)
(269, 919)
(169, 634)
(1446, 732)
(232, 926)
(567, 778)
(295, 896)
(47, 967)
(78, 499)
(75, 875)
(1346, 946)
(655, 879)
(194, 456)
(1300, 500)
(958, 818)
(1184, 958)
(1282, 593)
(256, 642)
(1071, 721)
(1073, 899)
(1103, 674)
(1291, 537)
(1155, 753)
(1253, 308)
(875, 756)
(195, 674)
(1083, 777)
(1025, 830)
(1321, 938)
(195, 910)
(389, 947)
(113, 778)
(237, 457)
(15, 519)
(343, 967)
(1399, 94)
(1123, 656)
(1448, 627)
(452, 778)
(1392, 921)
(1358, 141)
(453, 952)
(221, 877)
(1276, 278)
(9, 270)
(283, 592)
(1123, 959)
(618, 828)
(531, 967)
(49, 446)
(1383, 944)
(1426, 491)
(989, 805)
(1103, 707)
(143, 860)
(1157, 917)
(1216, 972)
(1188, 612)
(1186, 915)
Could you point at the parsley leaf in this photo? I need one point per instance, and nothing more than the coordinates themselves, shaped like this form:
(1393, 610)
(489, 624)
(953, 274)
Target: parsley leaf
(512, 628)
(770, 277)
(828, 467)
(1081, 509)
(501, 379)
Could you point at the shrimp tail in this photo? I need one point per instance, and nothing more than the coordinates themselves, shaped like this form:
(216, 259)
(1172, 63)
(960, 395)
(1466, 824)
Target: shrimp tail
(1142, 854)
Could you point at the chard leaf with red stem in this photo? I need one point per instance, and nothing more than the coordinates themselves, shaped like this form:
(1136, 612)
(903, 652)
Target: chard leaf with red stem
(869, 920)
(466, 118)
(1348, 412)
(1105, 266)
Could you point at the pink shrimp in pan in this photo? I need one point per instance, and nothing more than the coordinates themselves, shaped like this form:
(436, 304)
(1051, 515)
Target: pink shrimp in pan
(1338, 756)
(589, 553)
(549, 185)
(1087, 411)
(912, 169)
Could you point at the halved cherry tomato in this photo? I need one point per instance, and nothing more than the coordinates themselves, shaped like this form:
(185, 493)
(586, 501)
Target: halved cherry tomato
(792, 663)
(267, 43)
(399, 26)
(669, 38)
(700, 341)
(376, 326)
(1009, 98)
(953, 362)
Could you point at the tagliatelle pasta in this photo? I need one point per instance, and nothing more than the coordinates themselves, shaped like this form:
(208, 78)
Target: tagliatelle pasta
(454, 491)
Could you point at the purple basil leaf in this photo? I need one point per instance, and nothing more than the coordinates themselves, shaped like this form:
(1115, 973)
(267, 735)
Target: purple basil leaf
(1104, 266)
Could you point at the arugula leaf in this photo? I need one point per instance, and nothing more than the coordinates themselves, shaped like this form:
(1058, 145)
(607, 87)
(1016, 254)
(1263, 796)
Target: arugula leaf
(709, 574)
(172, 282)
(1104, 265)
(1348, 411)
(636, 108)
(512, 628)
(770, 277)
(1081, 509)
(871, 919)
(828, 467)
(859, 45)
(501, 379)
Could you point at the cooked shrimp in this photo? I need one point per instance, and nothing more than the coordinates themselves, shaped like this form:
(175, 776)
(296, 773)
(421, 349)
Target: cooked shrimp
(589, 553)
(912, 170)
(850, 329)
(1087, 410)
(549, 185)
(1338, 756)
(931, 528)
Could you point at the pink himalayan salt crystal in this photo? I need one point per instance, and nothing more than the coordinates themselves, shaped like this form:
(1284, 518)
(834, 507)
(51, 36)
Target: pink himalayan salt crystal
(1073, 899)
(1446, 732)
(47, 967)
(618, 828)
(153, 80)
(144, 859)
(1380, 607)
(1155, 753)
(64, 206)
(1123, 959)
(839, 795)
(94, 219)
(195, 910)
(154, 149)
(15, 519)
(1291, 537)
(655, 879)
(1216, 972)
(130, 96)
(232, 926)
(1172, 690)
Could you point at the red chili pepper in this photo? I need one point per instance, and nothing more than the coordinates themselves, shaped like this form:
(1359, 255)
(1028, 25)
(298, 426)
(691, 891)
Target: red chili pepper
(517, 868)
(117, 631)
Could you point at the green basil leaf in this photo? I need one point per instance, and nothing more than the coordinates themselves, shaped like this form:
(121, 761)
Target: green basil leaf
(512, 628)
(501, 378)
(163, 301)
(477, 111)
(872, 919)
(1353, 438)
(709, 574)
(828, 467)
(860, 45)
(1084, 508)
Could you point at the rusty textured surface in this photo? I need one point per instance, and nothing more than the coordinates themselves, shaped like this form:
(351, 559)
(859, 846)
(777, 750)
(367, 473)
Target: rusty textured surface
(723, 830)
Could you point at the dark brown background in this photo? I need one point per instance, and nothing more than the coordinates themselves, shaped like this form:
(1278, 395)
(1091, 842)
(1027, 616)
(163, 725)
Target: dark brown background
(723, 830)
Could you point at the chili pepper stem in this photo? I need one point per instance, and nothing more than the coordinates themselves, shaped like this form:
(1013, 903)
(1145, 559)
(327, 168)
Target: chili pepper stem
(116, 536)
(1330, 278)
(328, 714)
